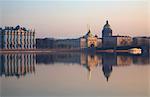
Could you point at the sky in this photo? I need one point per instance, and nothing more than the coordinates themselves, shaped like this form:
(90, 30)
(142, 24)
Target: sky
(69, 19)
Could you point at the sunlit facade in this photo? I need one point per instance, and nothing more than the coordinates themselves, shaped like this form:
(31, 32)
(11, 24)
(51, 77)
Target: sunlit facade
(87, 41)
(17, 38)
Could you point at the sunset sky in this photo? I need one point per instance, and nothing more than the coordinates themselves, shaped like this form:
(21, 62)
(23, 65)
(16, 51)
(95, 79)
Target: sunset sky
(69, 19)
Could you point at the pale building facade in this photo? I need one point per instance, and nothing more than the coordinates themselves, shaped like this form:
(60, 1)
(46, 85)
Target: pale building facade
(17, 38)
(86, 41)
(91, 40)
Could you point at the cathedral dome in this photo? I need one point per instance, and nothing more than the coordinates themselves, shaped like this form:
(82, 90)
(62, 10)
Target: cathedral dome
(106, 30)
(106, 25)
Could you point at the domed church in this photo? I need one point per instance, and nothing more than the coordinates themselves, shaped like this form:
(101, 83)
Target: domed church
(106, 32)
(111, 41)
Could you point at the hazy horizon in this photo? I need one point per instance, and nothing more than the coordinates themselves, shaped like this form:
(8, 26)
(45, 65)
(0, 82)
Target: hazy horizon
(69, 19)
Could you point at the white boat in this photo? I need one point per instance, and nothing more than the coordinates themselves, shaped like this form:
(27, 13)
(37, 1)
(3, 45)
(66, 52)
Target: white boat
(135, 51)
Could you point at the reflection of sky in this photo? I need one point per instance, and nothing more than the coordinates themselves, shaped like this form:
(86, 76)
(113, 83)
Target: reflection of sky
(70, 18)
(124, 82)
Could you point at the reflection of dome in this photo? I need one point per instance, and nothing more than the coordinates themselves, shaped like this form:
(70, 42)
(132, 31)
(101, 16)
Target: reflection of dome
(107, 69)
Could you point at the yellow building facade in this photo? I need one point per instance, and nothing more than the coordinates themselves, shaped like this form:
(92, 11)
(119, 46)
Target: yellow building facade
(92, 41)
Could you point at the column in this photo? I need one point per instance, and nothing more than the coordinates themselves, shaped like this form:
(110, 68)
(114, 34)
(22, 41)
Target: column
(30, 38)
(17, 43)
(25, 40)
(21, 39)
(34, 41)
(4, 39)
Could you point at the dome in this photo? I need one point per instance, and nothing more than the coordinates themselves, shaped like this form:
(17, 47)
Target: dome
(106, 30)
(107, 25)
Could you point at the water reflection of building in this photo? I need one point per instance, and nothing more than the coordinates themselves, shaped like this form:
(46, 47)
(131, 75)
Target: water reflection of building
(110, 60)
(17, 64)
(58, 58)
(138, 60)
(21, 64)
(106, 60)
(107, 69)
(91, 61)
(116, 60)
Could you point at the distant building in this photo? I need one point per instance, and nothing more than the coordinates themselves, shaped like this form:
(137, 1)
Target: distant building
(67, 43)
(110, 41)
(141, 41)
(57, 43)
(86, 41)
(44, 43)
(117, 41)
(17, 38)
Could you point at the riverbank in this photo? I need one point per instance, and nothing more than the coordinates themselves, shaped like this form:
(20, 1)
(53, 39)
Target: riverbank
(38, 50)
(60, 50)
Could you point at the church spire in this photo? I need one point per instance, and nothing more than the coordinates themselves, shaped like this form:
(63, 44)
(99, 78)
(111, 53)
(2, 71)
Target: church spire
(107, 22)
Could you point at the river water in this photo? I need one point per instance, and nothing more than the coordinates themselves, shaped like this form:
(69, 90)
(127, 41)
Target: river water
(74, 74)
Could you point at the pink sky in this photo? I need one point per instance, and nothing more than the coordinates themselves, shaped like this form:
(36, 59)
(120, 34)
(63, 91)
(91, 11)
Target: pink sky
(69, 19)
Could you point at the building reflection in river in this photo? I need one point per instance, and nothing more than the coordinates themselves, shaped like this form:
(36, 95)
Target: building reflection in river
(138, 60)
(17, 64)
(92, 61)
(110, 60)
(21, 64)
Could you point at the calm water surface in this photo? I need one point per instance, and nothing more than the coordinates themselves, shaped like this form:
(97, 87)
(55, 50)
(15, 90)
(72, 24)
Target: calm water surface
(74, 74)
